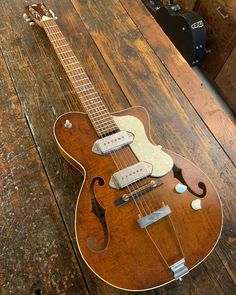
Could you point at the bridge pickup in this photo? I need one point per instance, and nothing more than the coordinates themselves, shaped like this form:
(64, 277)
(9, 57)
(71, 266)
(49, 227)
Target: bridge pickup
(154, 216)
(112, 142)
(130, 174)
(138, 192)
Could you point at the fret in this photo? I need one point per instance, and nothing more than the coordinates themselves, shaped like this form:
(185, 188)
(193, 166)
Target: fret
(67, 57)
(89, 108)
(71, 70)
(93, 109)
(60, 46)
(58, 40)
(90, 99)
(54, 33)
(73, 63)
(48, 27)
(100, 118)
(92, 104)
(76, 75)
(89, 94)
(84, 85)
(103, 118)
(86, 89)
(102, 112)
(65, 51)
(83, 90)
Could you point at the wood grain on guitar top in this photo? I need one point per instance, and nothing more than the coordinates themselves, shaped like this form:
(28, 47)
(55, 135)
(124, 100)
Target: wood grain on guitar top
(108, 236)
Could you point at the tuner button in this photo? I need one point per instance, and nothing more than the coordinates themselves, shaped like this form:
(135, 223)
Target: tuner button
(180, 188)
(25, 16)
(31, 23)
(196, 204)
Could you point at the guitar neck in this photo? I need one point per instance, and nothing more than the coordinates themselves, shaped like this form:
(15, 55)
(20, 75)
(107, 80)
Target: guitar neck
(99, 116)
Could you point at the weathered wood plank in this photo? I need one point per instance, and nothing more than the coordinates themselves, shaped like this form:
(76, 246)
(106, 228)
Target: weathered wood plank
(45, 93)
(194, 89)
(145, 80)
(36, 253)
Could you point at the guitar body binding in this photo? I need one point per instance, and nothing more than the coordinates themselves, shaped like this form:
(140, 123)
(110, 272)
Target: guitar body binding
(109, 237)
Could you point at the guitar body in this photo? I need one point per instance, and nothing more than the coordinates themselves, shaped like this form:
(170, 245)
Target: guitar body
(108, 235)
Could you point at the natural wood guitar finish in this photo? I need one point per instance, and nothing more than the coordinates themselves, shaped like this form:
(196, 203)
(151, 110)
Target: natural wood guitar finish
(129, 260)
(109, 236)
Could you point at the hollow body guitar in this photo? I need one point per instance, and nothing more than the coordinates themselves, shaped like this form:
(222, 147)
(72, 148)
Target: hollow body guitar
(144, 216)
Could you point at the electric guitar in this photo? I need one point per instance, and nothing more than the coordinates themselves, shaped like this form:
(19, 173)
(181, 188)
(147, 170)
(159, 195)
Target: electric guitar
(145, 216)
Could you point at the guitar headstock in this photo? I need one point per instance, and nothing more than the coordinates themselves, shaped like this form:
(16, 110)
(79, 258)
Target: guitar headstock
(38, 13)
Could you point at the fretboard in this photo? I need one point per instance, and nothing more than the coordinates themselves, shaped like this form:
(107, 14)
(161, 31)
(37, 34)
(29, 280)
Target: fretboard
(89, 97)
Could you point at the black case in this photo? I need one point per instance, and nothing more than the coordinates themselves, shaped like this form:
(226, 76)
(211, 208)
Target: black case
(185, 28)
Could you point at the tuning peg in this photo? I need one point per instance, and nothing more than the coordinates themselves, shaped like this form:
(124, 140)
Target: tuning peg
(31, 23)
(27, 18)
(53, 14)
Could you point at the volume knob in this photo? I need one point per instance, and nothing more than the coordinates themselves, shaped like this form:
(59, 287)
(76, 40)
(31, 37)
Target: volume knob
(196, 204)
(180, 188)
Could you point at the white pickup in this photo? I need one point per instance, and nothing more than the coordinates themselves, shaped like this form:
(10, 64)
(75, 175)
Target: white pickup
(131, 174)
(112, 142)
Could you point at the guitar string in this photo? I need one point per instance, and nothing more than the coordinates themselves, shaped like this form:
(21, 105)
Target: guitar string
(93, 89)
(153, 241)
(57, 47)
(66, 44)
(146, 229)
(55, 40)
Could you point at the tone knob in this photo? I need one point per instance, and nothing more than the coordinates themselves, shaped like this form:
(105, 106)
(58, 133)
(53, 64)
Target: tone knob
(196, 204)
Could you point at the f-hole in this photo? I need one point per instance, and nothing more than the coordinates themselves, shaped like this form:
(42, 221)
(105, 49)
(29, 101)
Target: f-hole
(178, 174)
(99, 211)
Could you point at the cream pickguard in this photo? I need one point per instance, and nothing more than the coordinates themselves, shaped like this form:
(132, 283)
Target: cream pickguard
(143, 149)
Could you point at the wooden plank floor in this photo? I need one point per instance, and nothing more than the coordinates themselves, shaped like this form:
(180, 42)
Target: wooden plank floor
(129, 65)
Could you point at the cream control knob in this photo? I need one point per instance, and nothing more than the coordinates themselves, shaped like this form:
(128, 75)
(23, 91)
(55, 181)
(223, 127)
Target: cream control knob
(180, 188)
(196, 204)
